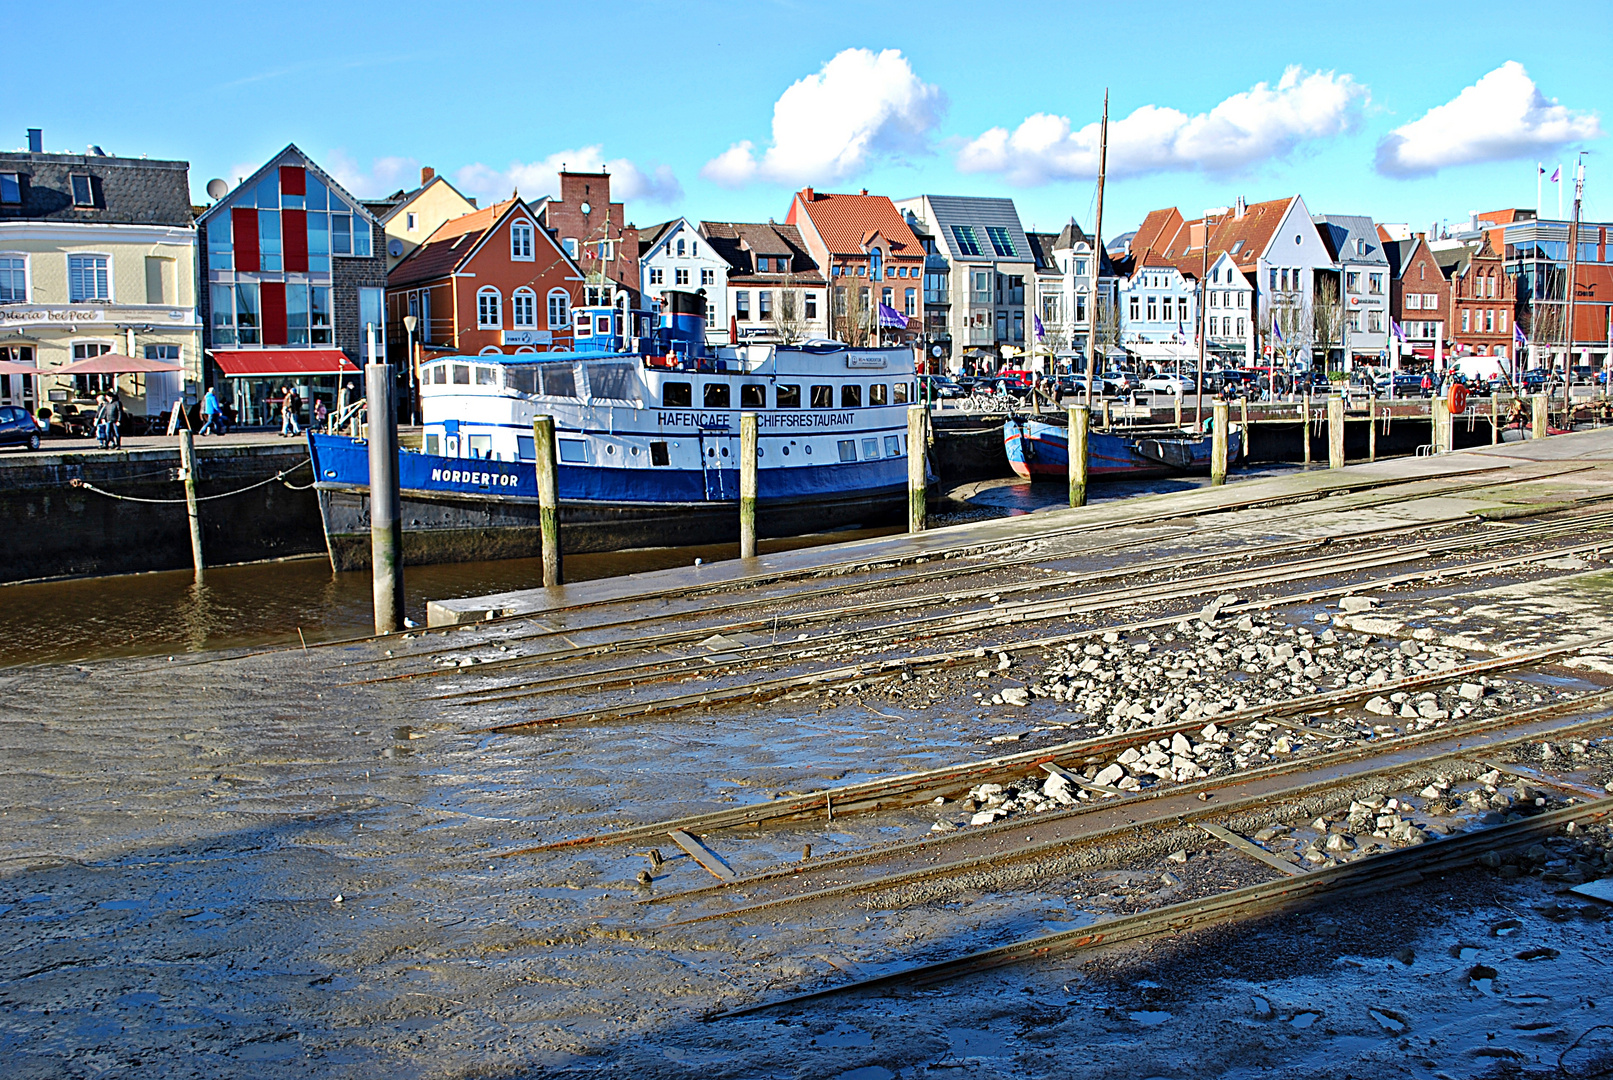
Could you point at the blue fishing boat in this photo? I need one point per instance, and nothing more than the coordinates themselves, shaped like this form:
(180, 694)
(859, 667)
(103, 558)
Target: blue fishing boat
(1039, 448)
(647, 441)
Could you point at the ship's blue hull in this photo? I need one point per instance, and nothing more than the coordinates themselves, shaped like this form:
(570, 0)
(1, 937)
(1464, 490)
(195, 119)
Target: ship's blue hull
(1037, 449)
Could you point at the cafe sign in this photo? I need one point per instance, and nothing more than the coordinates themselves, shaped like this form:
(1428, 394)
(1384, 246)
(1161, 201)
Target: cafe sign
(50, 316)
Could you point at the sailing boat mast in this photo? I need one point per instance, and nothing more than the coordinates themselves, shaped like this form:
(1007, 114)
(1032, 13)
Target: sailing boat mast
(1573, 273)
(1097, 253)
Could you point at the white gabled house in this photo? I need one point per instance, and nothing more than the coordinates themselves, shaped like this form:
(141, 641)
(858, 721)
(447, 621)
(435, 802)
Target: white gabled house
(673, 255)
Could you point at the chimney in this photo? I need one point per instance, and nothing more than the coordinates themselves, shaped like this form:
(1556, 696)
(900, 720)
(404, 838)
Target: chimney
(36, 141)
(426, 174)
(1239, 209)
(807, 195)
(1196, 233)
(865, 191)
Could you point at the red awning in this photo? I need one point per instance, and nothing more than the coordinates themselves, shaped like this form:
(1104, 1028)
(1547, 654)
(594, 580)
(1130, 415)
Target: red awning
(270, 363)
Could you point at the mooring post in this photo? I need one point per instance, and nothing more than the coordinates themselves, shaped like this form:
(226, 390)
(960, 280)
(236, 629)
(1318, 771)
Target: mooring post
(187, 473)
(548, 499)
(1079, 418)
(1178, 404)
(1372, 428)
(1335, 431)
(1495, 416)
(1440, 412)
(1220, 417)
(747, 485)
(1243, 417)
(1305, 425)
(1108, 415)
(1537, 421)
(386, 498)
(915, 469)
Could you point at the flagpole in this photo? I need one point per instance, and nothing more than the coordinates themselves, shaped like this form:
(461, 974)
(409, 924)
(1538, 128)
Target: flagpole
(1557, 178)
(1540, 170)
(1573, 296)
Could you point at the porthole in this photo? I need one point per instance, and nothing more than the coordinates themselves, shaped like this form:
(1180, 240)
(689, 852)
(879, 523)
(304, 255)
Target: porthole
(786, 454)
(711, 452)
(809, 449)
(725, 451)
(635, 451)
(610, 449)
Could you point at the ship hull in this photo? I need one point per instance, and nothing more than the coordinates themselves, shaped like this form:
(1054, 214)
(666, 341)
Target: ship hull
(1038, 450)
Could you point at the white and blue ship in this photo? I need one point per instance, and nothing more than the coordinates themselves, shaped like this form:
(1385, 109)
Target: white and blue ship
(647, 440)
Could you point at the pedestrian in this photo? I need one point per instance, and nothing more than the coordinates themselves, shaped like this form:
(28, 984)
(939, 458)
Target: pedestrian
(212, 414)
(288, 413)
(320, 414)
(116, 416)
(103, 413)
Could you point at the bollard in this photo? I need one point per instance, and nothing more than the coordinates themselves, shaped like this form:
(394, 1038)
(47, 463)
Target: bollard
(915, 469)
(1305, 426)
(1178, 404)
(747, 485)
(1108, 417)
(1246, 430)
(1495, 416)
(548, 499)
(1372, 428)
(187, 473)
(386, 499)
(1077, 452)
(1335, 432)
(1440, 417)
(1538, 421)
(1219, 433)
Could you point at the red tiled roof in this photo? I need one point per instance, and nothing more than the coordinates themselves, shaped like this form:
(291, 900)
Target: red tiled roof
(1169, 237)
(845, 221)
(447, 247)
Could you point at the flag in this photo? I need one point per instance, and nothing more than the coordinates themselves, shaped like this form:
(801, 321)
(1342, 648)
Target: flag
(1556, 174)
(1277, 332)
(1394, 328)
(1542, 170)
(1517, 334)
(1040, 333)
(889, 316)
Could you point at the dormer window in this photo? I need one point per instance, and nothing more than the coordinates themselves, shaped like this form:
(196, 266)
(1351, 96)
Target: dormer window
(83, 190)
(10, 188)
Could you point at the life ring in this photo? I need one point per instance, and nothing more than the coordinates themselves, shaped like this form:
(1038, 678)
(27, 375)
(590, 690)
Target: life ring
(1457, 398)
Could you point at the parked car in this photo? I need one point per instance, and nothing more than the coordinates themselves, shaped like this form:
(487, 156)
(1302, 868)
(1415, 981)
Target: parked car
(18, 428)
(1539, 380)
(1403, 384)
(1169, 384)
(1124, 380)
(1077, 384)
(941, 386)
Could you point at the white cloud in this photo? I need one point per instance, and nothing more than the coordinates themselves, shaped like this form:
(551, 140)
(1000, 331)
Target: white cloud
(1503, 115)
(384, 176)
(629, 183)
(862, 106)
(1262, 122)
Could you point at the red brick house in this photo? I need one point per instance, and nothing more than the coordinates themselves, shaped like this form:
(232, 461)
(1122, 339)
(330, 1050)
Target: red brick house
(1419, 300)
(490, 281)
(595, 233)
(869, 254)
(1483, 299)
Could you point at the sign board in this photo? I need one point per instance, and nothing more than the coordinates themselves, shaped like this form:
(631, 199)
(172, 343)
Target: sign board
(37, 316)
(865, 360)
(527, 337)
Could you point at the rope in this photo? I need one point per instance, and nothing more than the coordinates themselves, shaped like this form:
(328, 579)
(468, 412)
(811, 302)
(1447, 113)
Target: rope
(281, 475)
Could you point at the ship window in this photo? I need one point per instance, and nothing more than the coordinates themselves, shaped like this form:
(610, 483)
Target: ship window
(753, 396)
(899, 393)
(461, 375)
(574, 451)
(658, 454)
(522, 379)
(676, 395)
(526, 448)
(717, 395)
(870, 449)
(559, 380)
(481, 446)
(433, 444)
(876, 394)
(893, 446)
(823, 397)
(486, 376)
(851, 396)
(615, 381)
(848, 449)
(439, 374)
(789, 397)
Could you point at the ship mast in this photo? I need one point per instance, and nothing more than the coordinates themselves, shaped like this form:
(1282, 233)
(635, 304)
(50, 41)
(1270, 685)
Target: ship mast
(1097, 253)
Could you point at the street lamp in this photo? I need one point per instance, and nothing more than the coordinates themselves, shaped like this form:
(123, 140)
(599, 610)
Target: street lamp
(409, 323)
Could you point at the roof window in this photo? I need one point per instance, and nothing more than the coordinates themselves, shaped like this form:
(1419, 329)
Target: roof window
(1001, 242)
(83, 189)
(10, 188)
(968, 244)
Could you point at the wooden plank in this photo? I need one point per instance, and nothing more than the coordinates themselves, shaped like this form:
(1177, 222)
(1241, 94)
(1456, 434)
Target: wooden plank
(1251, 849)
(703, 855)
(1079, 781)
(1546, 779)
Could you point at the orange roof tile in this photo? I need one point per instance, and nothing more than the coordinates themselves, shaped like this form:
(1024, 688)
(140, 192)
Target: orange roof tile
(846, 221)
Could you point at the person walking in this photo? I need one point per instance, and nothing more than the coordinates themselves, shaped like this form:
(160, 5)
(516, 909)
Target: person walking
(212, 414)
(288, 412)
(103, 419)
(321, 414)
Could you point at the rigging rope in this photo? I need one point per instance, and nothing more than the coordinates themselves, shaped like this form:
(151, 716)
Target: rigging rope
(281, 475)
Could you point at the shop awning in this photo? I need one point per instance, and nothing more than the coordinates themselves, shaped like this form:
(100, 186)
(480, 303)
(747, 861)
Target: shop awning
(271, 363)
(116, 364)
(1162, 350)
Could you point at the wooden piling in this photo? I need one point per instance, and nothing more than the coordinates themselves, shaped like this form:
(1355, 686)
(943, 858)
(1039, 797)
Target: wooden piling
(1538, 421)
(1335, 432)
(1372, 428)
(916, 482)
(1178, 404)
(548, 499)
(1077, 443)
(1247, 431)
(386, 498)
(1440, 416)
(747, 485)
(1495, 417)
(187, 473)
(1305, 425)
(1219, 422)
(1108, 415)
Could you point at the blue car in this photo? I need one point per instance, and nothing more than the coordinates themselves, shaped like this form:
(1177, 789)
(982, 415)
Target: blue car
(17, 428)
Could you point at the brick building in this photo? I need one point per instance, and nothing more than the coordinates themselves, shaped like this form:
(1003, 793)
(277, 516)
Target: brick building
(1482, 299)
(595, 233)
(869, 255)
(1419, 302)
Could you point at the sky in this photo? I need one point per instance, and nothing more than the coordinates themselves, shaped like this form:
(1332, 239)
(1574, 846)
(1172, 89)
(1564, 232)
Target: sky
(1407, 112)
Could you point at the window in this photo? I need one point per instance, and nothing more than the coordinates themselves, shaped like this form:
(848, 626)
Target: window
(1375, 284)
(1414, 301)
(1464, 320)
(1001, 242)
(1153, 310)
(877, 394)
(1019, 326)
(573, 451)
(1352, 281)
(88, 278)
(1374, 322)
(657, 276)
(851, 396)
(823, 397)
(559, 309)
(371, 308)
(13, 279)
(761, 264)
(569, 246)
(899, 394)
(764, 305)
(789, 397)
(296, 313)
(708, 277)
(1489, 321)
(1002, 326)
(812, 305)
(893, 446)
(520, 241)
(910, 302)
(676, 395)
(870, 449)
(1240, 328)
(1135, 308)
(742, 305)
(980, 288)
(1501, 320)
(1273, 279)
(681, 276)
(524, 309)
(680, 246)
(716, 396)
(10, 187)
(848, 450)
(1081, 307)
(968, 244)
(888, 297)
(319, 314)
(83, 189)
(223, 314)
(90, 385)
(753, 396)
(411, 221)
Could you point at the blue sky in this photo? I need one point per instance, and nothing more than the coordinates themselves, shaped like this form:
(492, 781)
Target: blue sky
(1359, 109)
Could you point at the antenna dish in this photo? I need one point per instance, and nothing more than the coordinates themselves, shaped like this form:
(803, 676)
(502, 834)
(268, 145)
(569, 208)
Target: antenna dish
(394, 247)
(217, 189)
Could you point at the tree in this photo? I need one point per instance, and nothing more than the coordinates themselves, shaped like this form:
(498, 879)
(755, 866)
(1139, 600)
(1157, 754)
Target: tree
(792, 321)
(1327, 316)
(853, 315)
